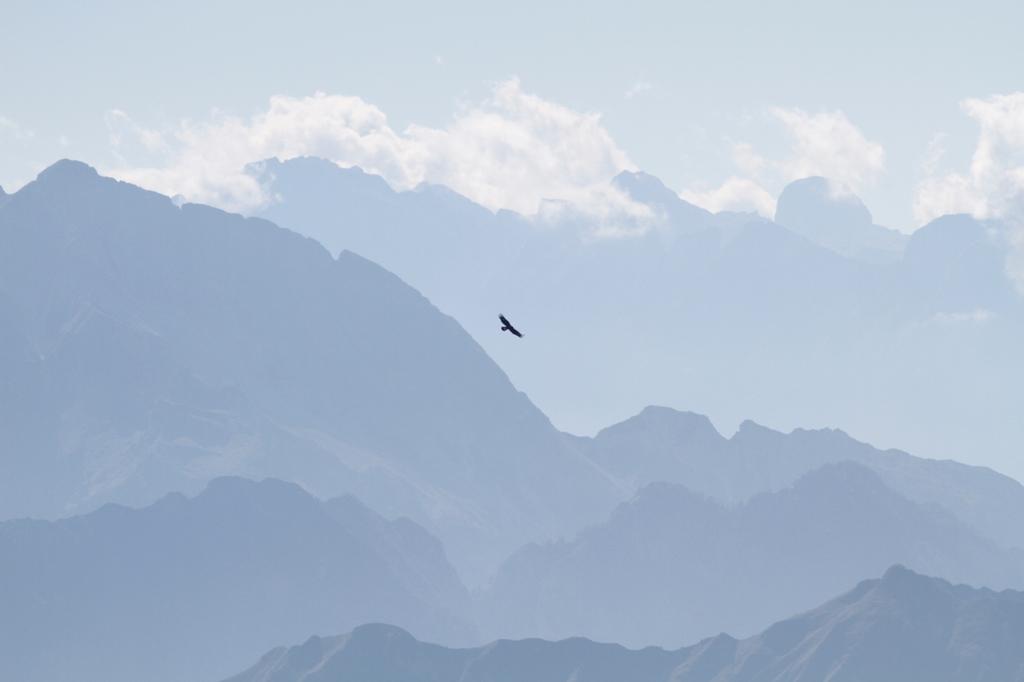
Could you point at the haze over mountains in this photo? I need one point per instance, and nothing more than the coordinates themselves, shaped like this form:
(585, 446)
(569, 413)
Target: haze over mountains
(150, 347)
(737, 316)
(901, 627)
(664, 445)
(194, 588)
(671, 567)
(816, 209)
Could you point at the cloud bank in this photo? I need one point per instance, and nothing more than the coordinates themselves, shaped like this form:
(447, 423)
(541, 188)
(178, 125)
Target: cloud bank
(514, 151)
(825, 144)
(993, 185)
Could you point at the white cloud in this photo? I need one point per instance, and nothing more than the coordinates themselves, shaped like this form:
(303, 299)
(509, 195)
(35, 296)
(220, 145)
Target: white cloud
(513, 150)
(934, 154)
(637, 88)
(735, 194)
(977, 316)
(12, 130)
(993, 185)
(825, 144)
(828, 144)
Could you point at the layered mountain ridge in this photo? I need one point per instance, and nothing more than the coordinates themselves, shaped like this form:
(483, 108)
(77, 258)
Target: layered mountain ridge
(671, 566)
(903, 626)
(218, 577)
(819, 318)
(150, 347)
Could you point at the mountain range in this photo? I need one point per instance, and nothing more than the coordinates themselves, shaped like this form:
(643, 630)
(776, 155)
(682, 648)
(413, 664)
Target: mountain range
(816, 319)
(148, 347)
(664, 445)
(903, 626)
(671, 567)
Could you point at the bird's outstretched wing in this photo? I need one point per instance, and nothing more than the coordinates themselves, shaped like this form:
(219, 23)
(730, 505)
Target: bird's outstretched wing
(506, 326)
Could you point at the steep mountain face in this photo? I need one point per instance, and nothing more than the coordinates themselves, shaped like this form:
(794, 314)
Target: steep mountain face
(192, 588)
(738, 315)
(815, 208)
(671, 566)
(149, 348)
(901, 627)
(662, 444)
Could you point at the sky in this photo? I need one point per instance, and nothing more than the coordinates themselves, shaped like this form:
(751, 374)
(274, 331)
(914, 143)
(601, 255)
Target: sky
(913, 106)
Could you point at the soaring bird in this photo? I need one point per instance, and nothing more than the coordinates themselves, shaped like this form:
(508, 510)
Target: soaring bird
(506, 326)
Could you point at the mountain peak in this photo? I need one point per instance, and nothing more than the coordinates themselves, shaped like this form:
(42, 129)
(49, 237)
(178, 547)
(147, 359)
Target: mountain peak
(750, 429)
(313, 173)
(661, 414)
(819, 195)
(843, 475)
(828, 215)
(68, 171)
(644, 187)
(665, 424)
(647, 189)
(899, 573)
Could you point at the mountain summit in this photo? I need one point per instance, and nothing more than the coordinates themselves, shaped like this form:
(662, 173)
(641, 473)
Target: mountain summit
(817, 209)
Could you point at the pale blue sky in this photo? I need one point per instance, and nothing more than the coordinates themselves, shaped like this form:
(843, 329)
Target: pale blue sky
(711, 72)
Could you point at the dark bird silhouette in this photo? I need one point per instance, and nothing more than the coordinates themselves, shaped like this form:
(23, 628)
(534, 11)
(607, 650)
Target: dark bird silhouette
(506, 326)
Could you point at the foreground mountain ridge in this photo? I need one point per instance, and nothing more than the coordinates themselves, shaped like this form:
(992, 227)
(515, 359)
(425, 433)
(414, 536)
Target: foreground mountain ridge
(903, 626)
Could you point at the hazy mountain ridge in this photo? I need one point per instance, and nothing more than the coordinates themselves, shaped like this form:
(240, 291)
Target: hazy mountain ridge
(837, 220)
(217, 577)
(903, 626)
(671, 566)
(151, 348)
(728, 310)
(662, 444)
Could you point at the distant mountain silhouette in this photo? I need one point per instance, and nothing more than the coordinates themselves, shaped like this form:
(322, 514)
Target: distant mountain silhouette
(192, 588)
(901, 627)
(731, 313)
(148, 348)
(671, 566)
(662, 444)
(815, 208)
(955, 264)
(346, 209)
(671, 209)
